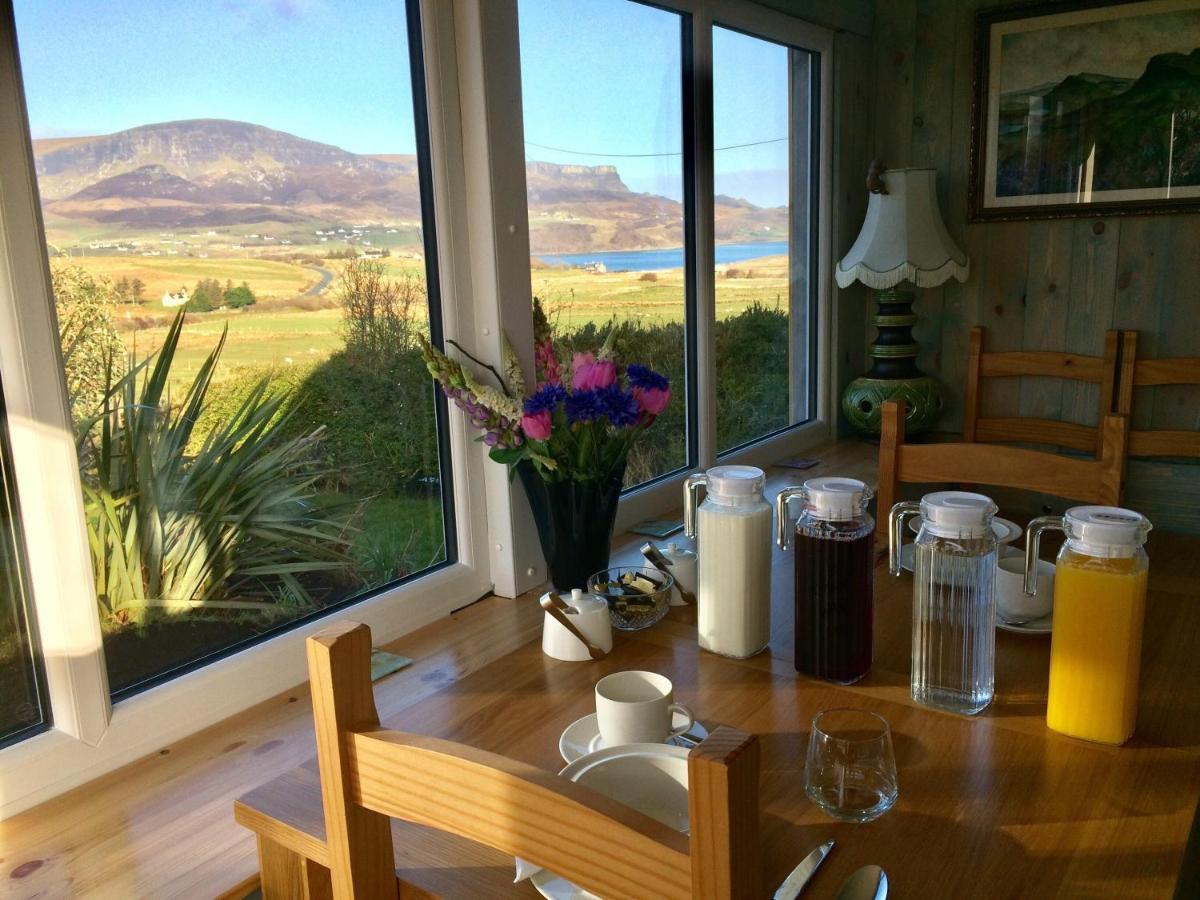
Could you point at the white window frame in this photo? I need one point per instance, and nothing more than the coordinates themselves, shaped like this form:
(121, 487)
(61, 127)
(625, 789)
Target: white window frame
(756, 21)
(89, 735)
(472, 71)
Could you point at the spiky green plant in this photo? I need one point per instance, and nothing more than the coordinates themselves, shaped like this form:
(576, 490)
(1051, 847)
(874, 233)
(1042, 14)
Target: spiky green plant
(234, 518)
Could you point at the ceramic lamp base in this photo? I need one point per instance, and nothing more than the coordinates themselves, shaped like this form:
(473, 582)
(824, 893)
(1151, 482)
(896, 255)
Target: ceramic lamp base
(864, 397)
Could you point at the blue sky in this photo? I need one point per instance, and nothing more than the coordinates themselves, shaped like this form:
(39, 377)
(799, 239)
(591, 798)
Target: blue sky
(599, 76)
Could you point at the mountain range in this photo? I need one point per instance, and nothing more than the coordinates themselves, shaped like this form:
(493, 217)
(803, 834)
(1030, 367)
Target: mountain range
(215, 173)
(1127, 133)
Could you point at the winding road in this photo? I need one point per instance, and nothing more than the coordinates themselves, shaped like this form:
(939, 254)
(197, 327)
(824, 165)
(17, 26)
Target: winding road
(317, 289)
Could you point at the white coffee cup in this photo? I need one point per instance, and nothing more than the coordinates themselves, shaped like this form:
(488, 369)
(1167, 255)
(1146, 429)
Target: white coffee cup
(1012, 603)
(637, 708)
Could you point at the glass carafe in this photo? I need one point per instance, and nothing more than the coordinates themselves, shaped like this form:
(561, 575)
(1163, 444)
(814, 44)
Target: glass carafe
(954, 606)
(834, 565)
(1099, 604)
(732, 528)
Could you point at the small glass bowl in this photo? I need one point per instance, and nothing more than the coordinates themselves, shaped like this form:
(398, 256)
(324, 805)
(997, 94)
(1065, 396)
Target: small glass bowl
(637, 596)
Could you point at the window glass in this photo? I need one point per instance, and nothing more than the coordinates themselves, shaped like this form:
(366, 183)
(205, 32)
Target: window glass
(231, 197)
(21, 708)
(602, 85)
(763, 172)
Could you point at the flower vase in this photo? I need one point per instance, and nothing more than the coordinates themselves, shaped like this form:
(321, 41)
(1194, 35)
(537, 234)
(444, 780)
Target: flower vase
(574, 523)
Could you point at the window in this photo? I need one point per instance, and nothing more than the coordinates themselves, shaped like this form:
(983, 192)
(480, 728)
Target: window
(613, 139)
(606, 177)
(21, 707)
(764, 167)
(241, 266)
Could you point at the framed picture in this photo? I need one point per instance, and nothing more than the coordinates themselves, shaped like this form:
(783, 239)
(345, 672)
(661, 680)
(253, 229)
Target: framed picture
(1086, 108)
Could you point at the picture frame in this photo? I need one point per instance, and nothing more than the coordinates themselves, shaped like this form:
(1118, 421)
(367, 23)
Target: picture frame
(1086, 108)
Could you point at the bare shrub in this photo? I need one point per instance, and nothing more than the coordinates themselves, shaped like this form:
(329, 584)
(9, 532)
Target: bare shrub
(380, 319)
(648, 276)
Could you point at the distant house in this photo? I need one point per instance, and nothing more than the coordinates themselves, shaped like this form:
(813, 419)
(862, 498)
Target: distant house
(179, 299)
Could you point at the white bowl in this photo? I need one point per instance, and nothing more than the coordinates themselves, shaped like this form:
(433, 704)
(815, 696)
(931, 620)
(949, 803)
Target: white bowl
(1012, 603)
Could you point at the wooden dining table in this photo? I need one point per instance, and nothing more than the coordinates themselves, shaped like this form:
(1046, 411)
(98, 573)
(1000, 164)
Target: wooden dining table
(994, 805)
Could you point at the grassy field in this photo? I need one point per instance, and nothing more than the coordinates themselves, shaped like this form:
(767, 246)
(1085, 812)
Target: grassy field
(580, 297)
(267, 278)
(281, 332)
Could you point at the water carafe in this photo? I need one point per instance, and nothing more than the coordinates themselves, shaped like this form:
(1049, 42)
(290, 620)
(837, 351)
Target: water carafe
(732, 528)
(834, 541)
(954, 607)
(1099, 604)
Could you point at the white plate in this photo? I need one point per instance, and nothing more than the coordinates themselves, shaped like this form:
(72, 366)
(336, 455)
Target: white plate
(1006, 532)
(651, 778)
(583, 736)
(1033, 626)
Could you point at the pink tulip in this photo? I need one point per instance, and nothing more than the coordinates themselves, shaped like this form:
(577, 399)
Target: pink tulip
(537, 426)
(652, 400)
(591, 373)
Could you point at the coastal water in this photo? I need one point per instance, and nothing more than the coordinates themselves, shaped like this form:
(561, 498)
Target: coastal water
(669, 258)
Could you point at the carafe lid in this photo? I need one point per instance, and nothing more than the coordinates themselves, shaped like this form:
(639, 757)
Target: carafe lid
(835, 498)
(1105, 531)
(958, 514)
(736, 481)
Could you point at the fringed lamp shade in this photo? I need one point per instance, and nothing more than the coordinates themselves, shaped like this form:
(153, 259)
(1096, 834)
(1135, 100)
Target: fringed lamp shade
(903, 237)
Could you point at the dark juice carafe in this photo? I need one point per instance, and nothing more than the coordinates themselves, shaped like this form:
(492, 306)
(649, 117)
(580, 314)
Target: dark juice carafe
(834, 566)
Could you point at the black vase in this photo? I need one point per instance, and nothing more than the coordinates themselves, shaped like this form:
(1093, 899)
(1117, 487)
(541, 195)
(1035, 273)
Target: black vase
(574, 523)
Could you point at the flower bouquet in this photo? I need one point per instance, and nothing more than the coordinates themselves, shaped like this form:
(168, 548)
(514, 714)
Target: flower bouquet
(568, 440)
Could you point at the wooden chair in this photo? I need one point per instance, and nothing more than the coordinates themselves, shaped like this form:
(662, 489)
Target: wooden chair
(1101, 370)
(1152, 373)
(369, 774)
(1087, 480)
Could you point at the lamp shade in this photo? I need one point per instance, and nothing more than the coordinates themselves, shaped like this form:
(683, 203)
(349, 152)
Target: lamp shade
(903, 237)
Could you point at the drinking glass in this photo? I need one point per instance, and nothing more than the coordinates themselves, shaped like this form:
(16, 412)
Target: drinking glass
(851, 768)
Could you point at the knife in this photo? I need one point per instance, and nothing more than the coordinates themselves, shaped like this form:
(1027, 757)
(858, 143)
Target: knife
(794, 883)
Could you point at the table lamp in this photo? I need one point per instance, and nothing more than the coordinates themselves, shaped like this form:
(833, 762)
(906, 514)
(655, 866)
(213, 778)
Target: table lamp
(903, 239)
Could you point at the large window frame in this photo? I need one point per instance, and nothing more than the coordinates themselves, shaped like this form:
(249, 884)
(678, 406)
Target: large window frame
(91, 734)
(475, 183)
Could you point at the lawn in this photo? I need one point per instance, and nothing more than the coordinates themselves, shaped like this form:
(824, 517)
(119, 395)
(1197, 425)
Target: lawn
(280, 333)
(267, 278)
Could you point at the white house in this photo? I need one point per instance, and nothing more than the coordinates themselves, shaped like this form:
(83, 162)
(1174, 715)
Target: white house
(169, 299)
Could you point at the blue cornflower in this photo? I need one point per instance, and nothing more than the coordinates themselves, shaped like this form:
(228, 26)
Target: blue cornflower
(585, 406)
(621, 407)
(644, 377)
(545, 399)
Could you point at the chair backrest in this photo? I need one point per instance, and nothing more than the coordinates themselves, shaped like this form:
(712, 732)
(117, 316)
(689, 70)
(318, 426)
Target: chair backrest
(1101, 370)
(369, 774)
(1087, 480)
(1153, 373)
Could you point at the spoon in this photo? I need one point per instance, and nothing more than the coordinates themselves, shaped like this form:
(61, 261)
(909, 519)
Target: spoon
(868, 883)
(555, 609)
(655, 557)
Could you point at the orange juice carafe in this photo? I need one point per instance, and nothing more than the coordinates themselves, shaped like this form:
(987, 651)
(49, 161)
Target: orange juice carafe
(1099, 605)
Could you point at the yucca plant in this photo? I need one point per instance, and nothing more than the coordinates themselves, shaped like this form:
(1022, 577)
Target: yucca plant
(178, 530)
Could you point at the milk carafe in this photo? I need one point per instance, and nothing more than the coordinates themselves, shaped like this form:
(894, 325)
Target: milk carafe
(954, 608)
(732, 528)
(1099, 604)
(834, 564)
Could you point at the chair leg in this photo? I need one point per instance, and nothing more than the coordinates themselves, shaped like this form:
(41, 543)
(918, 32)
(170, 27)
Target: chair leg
(286, 875)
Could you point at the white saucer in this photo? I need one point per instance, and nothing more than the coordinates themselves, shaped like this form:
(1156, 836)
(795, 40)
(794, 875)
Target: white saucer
(583, 736)
(1006, 532)
(1033, 626)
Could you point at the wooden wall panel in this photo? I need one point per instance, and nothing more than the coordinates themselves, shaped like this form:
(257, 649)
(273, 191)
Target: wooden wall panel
(1041, 285)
